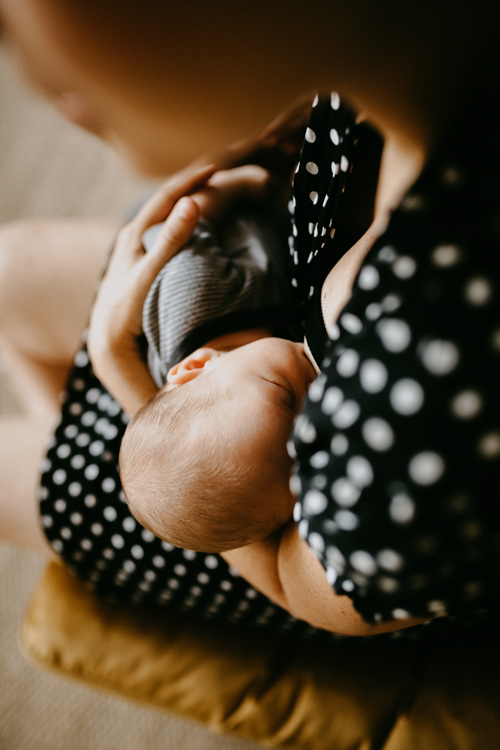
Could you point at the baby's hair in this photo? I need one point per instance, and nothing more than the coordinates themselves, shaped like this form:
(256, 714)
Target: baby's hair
(184, 475)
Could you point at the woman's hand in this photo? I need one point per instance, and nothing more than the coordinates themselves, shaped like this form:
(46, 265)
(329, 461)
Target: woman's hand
(227, 188)
(116, 317)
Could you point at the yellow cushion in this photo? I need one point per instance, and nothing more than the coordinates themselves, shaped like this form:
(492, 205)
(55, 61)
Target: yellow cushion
(391, 696)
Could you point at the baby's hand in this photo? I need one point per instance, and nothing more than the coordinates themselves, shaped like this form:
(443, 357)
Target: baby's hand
(229, 187)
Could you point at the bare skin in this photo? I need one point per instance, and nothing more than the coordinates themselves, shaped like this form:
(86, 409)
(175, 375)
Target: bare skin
(40, 349)
(44, 282)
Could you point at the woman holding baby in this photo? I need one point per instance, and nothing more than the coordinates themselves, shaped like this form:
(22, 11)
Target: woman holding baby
(395, 451)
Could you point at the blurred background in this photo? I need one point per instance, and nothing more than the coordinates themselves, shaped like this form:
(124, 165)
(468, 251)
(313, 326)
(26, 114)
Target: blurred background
(49, 168)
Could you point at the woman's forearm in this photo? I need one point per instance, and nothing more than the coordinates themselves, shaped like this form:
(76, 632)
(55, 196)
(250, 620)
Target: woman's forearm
(127, 378)
(116, 318)
(284, 568)
(258, 564)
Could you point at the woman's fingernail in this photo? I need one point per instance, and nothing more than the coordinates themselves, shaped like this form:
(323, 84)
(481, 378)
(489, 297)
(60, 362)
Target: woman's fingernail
(187, 208)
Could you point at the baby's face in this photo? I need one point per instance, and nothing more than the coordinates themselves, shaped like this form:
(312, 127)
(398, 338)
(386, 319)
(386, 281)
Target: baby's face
(278, 369)
(261, 387)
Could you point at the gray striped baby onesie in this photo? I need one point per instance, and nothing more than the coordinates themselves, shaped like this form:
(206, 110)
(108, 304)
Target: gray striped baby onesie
(216, 284)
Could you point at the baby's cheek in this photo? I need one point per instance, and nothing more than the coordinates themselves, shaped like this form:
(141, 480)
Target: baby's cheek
(279, 435)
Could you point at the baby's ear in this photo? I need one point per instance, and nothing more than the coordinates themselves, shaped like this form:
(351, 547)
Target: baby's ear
(192, 366)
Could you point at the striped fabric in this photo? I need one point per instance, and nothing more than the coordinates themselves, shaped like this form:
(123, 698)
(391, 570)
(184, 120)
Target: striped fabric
(242, 268)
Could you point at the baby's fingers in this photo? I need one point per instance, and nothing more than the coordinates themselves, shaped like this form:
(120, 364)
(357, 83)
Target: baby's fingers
(176, 231)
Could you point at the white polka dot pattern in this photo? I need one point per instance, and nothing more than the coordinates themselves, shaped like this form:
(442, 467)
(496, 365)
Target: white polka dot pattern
(403, 424)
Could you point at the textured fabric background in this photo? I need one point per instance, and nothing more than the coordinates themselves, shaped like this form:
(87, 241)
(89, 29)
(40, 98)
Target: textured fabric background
(49, 168)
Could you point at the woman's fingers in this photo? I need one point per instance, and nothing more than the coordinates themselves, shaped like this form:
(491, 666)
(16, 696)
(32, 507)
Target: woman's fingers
(128, 247)
(175, 233)
(158, 207)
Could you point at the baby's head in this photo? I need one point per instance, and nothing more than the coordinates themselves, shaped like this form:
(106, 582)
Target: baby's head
(204, 465)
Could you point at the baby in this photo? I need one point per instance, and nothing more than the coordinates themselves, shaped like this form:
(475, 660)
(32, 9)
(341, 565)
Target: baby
(222, 337)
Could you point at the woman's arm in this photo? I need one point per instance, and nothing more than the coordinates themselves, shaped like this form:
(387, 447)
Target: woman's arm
(285, 570)
(116, 317)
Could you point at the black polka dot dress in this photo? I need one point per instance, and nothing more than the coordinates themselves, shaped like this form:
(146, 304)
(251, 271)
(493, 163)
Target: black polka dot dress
(397, 450)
